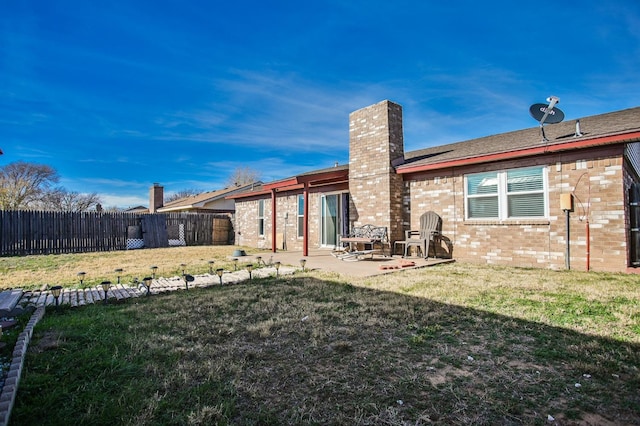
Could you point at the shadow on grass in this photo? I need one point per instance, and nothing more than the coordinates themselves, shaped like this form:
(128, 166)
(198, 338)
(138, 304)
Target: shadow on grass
(299, 350)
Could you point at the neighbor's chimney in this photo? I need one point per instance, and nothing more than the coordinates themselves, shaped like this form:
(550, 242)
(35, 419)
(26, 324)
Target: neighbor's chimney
(156, 197)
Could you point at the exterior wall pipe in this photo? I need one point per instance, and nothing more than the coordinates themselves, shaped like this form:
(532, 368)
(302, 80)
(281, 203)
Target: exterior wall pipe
(566, 204)
(274, 248)
(567, 255)
(588, 247)
(305, 227)
(587, 211)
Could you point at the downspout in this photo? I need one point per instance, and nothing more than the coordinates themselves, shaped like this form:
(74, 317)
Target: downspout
(273, 221)
(305, 227)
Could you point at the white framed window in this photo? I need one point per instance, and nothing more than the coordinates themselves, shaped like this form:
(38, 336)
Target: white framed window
(300, 216)
(506, 194)
(260, 217)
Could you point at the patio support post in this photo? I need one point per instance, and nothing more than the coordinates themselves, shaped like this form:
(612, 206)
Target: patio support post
(305, 227)
(273, 221)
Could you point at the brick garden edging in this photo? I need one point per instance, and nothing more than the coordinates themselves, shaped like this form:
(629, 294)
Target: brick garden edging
(10, 388)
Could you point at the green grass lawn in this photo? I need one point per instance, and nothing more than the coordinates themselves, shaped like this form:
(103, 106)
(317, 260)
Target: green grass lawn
(455, 344)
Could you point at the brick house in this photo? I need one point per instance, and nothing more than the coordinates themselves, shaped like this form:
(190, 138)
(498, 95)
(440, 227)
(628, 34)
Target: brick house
(205, 202)
(498, 196)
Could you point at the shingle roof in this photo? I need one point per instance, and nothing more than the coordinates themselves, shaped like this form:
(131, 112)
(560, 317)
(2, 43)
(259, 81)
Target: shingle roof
(202, 198)
(593, 127)
(325, 170)
(596, 126)
(335, 173)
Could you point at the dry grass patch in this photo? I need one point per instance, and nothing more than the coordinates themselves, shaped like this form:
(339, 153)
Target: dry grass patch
(304, 350)
(454, 344)
(31, 272)
(603, 304)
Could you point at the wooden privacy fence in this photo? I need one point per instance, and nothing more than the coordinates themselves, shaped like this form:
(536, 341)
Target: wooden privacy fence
(41, 232)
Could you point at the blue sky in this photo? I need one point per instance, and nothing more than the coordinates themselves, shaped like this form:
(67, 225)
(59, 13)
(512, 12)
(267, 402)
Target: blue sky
(118, 95)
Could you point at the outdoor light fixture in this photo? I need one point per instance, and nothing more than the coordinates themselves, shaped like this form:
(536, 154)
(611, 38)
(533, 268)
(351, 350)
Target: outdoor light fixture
(219, 271)
(105, 287)
(81, 277)
(153, 271)
(302, 263)
(235, 263)
(118, 271)
(250, 268)
(277, 265)
(259, 259)
(55, 291)
(184, 267)
(187, 279)
(147, 284)
(211, 262)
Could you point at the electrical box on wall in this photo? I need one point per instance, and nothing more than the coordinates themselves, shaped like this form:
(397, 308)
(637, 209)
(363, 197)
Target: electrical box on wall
(566, 202)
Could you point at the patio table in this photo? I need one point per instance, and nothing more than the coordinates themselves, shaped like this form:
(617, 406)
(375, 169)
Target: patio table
(354, 241)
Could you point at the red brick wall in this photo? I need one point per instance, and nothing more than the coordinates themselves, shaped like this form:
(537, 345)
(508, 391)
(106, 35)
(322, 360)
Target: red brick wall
(595, 176)
(246, 222)
(599, 178)
(375, 146)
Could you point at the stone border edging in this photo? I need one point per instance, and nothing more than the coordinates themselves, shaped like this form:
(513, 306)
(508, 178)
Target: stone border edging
(10, 388)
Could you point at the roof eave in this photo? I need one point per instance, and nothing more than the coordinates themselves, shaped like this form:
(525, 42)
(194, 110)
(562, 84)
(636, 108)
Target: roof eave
(173, 209)
(525, 152)
(281, 183)
(247, 194)
(298, 182)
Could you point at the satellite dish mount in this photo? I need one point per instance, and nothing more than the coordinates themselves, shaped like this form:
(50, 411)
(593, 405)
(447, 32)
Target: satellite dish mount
(548, 114)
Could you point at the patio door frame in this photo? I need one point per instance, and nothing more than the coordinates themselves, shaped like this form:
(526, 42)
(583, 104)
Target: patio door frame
(341, 219)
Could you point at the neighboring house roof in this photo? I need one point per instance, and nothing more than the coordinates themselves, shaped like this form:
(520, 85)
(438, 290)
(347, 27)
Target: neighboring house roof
(200, 200)
(256, 190)
(616, 127)
(136, 209)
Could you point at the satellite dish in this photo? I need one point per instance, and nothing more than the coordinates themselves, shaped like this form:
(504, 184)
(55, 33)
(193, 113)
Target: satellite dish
(538, 112)
(549, 114)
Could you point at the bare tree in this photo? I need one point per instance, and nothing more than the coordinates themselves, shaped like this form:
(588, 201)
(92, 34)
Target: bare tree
(181, 194)
(23, 184)
(243, 176)
(61, 200)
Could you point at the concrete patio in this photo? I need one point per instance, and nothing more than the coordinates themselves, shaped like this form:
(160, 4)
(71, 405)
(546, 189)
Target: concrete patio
(323, 260)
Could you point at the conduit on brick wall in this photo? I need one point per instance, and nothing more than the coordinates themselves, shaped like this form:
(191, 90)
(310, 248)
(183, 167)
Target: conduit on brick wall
(586, 207)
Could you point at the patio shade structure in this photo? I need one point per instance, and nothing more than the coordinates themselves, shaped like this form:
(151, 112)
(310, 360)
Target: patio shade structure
(330, 179)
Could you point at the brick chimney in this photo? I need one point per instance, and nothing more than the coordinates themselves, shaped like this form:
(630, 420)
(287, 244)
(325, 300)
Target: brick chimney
(376, 146)
(156, 197)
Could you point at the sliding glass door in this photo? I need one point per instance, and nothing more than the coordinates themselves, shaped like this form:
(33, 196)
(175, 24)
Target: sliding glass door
(330, 221)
